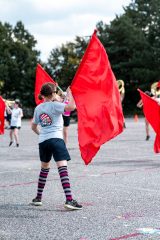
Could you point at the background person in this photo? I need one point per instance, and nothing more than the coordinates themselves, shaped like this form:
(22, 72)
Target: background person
(15, 125)
(140, 105)
(9, 104)
(66, 115)
(66, 120)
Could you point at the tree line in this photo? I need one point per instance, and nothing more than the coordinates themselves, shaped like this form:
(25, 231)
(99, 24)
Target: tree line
(131, 40)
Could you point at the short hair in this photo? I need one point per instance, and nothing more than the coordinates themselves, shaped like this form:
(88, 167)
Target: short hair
(47, 89)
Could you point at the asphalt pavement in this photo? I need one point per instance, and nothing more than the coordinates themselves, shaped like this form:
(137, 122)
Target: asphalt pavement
(119, 190)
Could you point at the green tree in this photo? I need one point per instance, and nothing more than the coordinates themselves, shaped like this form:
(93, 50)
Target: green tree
(63, 62)
(5, 47)
(145, 14)
(17, 63)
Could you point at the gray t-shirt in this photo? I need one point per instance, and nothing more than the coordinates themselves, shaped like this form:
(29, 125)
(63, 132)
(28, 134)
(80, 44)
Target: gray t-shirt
(49, 116)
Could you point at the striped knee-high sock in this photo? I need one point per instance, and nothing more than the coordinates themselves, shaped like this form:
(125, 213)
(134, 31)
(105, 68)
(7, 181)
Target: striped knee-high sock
(42, 181)
(63, 173)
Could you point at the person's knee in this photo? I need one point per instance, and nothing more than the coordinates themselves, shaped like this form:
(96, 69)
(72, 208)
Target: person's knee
(45, 165)
(61, 163)
(15, 134)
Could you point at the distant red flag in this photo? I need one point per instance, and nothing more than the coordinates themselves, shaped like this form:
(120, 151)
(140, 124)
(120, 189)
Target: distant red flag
(151, 111)
(41, 78)
(2, 110)
(97, 98)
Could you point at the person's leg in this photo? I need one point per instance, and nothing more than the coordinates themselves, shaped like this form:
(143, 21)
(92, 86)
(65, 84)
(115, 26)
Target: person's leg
(5, 123)
(11, 137)
(41, 183)
(63, 173)
(147, 130)
(66, 124)
(15, 132)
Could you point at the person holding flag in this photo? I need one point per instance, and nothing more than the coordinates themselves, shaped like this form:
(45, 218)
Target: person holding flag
(97, 98)
(66, 119)
(48, 115)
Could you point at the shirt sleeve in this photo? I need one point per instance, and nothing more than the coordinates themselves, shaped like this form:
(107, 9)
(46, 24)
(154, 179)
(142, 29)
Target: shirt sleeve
(59, 107)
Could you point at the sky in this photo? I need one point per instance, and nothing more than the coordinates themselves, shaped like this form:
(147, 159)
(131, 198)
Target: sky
(53, 22)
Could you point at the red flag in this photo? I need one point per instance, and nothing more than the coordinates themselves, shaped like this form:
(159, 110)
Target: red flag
(151, 111)
(2, 110)
(41, 78)
(97, 98)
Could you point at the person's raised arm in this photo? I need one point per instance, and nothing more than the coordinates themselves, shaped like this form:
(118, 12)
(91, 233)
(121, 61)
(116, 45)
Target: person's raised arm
(71, 103)
(8, 109)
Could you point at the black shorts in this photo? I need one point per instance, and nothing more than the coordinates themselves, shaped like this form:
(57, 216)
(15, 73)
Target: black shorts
(53, 147)
(66, 121)
(13, 127)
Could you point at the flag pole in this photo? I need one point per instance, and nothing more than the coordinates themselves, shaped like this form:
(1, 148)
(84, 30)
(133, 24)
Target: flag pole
(60, 88)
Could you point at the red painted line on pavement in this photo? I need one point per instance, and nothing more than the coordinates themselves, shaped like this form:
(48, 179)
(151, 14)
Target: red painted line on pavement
(126, 236)
(80, 176)
(22, 184)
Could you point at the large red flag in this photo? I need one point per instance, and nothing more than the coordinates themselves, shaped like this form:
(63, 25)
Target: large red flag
(41, 78)
(97, 98)
(151, 111)
(2, 110)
